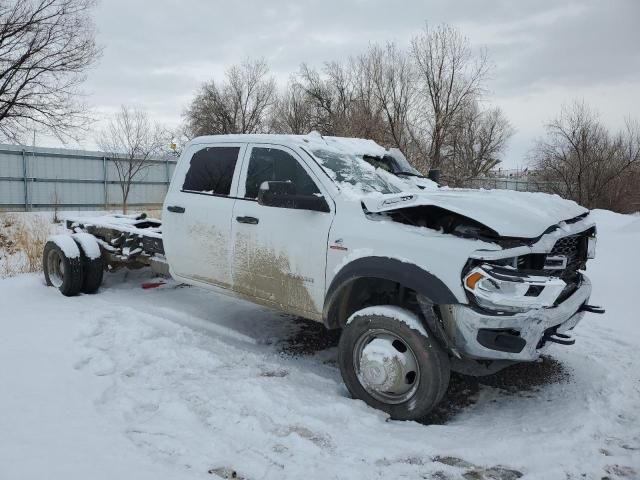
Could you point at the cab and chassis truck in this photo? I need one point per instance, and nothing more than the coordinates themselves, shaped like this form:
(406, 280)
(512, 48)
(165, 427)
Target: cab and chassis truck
(421, 280)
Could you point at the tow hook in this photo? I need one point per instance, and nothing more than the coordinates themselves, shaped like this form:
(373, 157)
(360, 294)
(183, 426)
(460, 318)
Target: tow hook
(561, 338)
(592, 309)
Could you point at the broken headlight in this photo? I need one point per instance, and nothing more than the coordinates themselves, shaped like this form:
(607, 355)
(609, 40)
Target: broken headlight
(591, 247)
(505, 289)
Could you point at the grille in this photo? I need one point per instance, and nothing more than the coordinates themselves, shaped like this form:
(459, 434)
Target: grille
(567, 246)
(574, 247)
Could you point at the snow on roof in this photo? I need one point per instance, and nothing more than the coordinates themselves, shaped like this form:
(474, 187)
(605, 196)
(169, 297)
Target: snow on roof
(355, 146)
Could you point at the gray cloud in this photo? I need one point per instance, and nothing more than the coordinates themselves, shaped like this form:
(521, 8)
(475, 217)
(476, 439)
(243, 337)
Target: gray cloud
(591, 43)
(157, 53)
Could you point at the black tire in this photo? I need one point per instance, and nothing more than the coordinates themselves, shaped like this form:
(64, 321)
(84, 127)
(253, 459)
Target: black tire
(433, 364)
(92, 271)
(67, 272)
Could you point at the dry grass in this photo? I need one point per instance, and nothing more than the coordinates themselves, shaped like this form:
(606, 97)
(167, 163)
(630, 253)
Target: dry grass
(30, 240)
(22, 240)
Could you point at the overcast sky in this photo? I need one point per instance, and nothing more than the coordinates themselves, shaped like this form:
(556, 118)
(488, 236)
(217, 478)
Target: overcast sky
(544, 52)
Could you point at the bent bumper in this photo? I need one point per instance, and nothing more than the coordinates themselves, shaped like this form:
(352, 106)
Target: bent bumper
(472, 332)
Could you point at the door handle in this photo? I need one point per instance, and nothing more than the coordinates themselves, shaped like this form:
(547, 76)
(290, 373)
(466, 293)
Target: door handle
(175, 209)
(249, 220)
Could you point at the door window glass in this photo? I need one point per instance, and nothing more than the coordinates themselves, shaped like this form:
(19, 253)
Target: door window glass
(272, 164)
(211, 170)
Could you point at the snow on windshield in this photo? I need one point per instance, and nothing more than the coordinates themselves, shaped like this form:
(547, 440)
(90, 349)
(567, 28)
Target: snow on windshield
(351, 169)
(402, 162)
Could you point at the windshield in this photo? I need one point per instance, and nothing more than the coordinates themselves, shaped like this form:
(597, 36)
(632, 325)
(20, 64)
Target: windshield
(402, 164)
(346, 168)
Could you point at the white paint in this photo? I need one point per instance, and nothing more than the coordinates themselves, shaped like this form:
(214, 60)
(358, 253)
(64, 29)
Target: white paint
(347, 258)
(198, 242)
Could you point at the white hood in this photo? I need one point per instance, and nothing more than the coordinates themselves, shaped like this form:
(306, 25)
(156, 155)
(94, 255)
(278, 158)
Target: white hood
(509, 213)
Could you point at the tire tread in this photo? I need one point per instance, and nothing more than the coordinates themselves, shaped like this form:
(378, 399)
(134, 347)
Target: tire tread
(435, 368)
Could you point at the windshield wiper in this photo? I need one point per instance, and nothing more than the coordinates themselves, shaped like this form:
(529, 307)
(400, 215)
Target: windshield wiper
(409, 174)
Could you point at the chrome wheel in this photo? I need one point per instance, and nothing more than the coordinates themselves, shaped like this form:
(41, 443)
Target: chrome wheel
(55, 268)
(386, 366)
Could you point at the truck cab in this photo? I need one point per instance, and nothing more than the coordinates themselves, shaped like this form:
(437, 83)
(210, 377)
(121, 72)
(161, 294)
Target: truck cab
(230, 231)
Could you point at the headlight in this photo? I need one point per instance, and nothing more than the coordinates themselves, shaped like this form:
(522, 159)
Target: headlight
(505, 289)
(591, 247)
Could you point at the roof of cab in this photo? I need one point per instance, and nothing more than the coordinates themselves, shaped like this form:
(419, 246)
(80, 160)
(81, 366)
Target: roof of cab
(312, 141)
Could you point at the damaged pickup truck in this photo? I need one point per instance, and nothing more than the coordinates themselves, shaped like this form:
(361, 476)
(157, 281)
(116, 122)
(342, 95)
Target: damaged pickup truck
(421, 280)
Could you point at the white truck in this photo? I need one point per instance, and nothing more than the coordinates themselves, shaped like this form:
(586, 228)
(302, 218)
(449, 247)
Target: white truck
(421, 280)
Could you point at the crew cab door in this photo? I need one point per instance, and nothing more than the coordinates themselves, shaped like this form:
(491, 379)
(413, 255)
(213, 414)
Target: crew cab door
(280, 254)
(197, 213)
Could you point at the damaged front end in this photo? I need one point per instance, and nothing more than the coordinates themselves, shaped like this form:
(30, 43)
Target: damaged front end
(525, 297)
(526, 290)
(509, 290)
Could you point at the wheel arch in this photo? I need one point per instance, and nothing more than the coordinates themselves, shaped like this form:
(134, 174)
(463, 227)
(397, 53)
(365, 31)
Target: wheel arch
(339, 300)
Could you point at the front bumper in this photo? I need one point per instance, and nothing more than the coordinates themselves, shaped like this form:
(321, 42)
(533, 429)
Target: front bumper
(468, 327)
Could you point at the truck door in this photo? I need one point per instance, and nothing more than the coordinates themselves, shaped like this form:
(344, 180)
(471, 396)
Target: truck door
(197, 213)
(280, 254)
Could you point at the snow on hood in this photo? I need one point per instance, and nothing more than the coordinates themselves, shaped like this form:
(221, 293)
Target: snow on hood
(509, 213)
(419, 183)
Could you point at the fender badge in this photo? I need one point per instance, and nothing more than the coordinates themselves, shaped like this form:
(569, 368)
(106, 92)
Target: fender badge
(337, 245)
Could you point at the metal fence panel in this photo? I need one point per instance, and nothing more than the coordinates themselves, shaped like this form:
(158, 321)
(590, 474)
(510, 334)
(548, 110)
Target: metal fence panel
(11, 163)
(54, 193)
(64, 167)
(35, 178)
(10, 191)
(518, 184)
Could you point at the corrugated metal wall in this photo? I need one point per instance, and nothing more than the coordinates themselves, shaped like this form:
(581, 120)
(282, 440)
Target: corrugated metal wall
(35, 178)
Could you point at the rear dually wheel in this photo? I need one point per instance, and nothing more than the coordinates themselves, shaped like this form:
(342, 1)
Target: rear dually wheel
(62, 266)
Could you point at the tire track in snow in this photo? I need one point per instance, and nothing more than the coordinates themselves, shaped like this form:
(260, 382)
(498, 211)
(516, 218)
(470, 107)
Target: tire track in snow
(209, 400)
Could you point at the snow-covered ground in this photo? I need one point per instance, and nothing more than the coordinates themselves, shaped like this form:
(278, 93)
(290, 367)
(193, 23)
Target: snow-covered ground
(178, 383)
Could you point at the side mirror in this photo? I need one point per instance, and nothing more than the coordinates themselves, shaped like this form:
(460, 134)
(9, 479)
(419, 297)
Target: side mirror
(283, 195)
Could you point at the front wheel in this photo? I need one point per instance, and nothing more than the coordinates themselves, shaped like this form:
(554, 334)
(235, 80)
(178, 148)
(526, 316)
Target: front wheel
(390, 361)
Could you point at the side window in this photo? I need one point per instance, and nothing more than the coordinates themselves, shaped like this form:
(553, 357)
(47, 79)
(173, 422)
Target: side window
(211, 170)
(272, 164)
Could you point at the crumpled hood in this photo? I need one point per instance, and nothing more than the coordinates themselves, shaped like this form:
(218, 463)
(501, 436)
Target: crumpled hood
(509, 213)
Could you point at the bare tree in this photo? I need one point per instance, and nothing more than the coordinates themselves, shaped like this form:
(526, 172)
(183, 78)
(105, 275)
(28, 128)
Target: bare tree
(581, 159)
(131, 141)
(393, 81)
(622, 193)
(238, 105)
(45, 48)
(177, 139)
(475, 142)
(342, 100)
(449, 77)
(293, 111)
(330, 95)
(631, 142)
